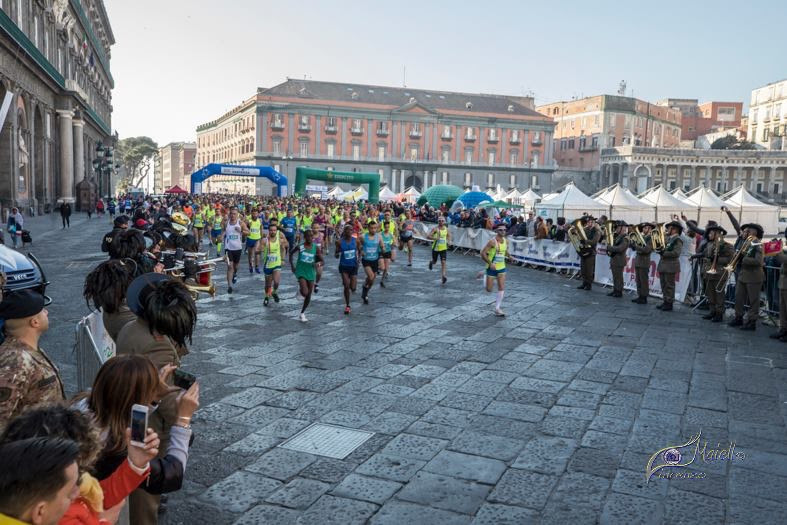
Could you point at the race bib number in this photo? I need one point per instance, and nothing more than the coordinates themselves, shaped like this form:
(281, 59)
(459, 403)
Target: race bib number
(307, 257)
(349, 254)
(273, 258)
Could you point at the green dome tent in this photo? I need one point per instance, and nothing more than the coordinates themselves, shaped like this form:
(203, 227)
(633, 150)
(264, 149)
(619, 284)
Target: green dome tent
(442, 193)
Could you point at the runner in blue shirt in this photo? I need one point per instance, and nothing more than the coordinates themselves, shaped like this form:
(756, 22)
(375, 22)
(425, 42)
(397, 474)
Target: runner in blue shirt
(347, 251)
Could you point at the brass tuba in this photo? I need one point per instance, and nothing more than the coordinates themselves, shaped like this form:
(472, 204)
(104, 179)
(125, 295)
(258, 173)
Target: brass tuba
(609, 229)
(636, 238)
(658, 237)
(578, 237)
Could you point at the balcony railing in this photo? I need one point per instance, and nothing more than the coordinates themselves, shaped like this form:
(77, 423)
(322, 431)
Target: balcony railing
(470, 138)
(588, 147)
(356, 131)
(382, 132)
(536, 141)
(330, 129)
(277, 124)
(493, 138)
(304, 127)
(415, 133)
(446, 136)
(437, 163)
(515, 139)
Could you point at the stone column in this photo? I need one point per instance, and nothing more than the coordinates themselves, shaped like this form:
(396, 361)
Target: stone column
(768, 181)
(737, 176)
(79, 150)
(66, 156)
(434, 178)
(425, 185)
(401, 181)
(393, 180)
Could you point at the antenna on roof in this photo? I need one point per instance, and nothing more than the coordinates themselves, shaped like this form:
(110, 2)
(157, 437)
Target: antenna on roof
(622, 88)
(404, 76)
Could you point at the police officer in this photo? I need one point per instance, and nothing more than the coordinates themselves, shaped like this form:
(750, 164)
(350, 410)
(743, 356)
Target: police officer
(27, 375)
(749, 280)
(642, 264)
(716, 255)
(587, 256)
(119, 224)
(669, 264)
(616, 249)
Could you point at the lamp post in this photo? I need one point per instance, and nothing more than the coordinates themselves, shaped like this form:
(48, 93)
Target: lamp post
(104, 165)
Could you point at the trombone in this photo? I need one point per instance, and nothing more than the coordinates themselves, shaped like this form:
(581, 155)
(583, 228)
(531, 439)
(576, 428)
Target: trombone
(749, 243)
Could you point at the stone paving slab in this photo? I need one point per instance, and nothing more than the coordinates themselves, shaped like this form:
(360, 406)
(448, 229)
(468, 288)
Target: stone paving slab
(546, 416)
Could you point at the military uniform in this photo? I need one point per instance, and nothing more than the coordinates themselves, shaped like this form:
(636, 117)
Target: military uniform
(748, 285)
(642, 270)
(114, 322)
(587, 264)
(782, 333)
(715, 299)
(617, 262)
(668, 267)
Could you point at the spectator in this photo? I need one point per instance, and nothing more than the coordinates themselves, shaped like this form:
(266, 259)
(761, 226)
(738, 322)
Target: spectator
(105, 288)
(531, 224)
(550, 229)
(65, 214)
(100, 208)
(119, 224)
(93, 505)
(541, 229)
(16, 223)
(120, 383)
(561, 230)
(27, 376)
(38, 480)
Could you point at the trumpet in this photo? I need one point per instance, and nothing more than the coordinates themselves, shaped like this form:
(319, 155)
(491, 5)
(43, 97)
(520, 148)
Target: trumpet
(658, 237)
(748, 245)
(636, 238)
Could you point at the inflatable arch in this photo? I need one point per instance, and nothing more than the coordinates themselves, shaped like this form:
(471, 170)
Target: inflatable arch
(303, 175)
(199, 176)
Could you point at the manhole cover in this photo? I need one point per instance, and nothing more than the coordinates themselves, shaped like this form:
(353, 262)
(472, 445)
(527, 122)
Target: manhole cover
(327, 440)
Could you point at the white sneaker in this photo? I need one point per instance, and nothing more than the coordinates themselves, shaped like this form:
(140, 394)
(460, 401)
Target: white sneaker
(302, 318)
(499, 312)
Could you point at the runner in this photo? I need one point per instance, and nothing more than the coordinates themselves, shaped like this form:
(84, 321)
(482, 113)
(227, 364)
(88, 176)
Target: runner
(233, 229)
(306, 270)
(215, 232)
(440, 236)
(199, 223)
(255, 234)
(346, 251)
(318, 237)
(273, 247)
(372, 244)
(388, 234)
(406, 235)
(494, 255)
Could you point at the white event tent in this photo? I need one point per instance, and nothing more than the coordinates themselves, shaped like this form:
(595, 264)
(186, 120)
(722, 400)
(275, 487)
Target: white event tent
(678, 194)
(747, 208)
(570, 203)
(513, 196)
(623, 205)
(335, 193)
(708, 208)
(410, 194)
(529, 199)
(665, 205)
(386, 195)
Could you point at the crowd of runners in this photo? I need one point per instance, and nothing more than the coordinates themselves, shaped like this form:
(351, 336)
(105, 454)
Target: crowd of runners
(301, 235)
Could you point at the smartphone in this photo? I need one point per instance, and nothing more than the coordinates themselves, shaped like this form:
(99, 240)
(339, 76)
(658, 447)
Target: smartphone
(183, 379)
(139, 424)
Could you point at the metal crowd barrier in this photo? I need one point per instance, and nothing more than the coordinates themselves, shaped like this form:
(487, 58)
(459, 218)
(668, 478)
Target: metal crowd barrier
(90, 355)
(769, 294)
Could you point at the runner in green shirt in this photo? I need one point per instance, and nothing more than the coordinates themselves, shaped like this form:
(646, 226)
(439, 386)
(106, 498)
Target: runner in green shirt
(305, 269)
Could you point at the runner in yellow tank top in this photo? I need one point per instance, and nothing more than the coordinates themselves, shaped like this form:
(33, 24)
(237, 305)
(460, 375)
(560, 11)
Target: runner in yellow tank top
(494, 255)
(441, 237)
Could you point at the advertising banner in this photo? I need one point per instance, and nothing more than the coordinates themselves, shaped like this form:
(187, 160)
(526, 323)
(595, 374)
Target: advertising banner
(604, 274)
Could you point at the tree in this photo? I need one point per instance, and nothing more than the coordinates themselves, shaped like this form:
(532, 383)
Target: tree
(136, 154)
(732, 142)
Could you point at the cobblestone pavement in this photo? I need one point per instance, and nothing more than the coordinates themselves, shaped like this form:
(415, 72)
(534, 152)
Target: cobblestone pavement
(546, 416)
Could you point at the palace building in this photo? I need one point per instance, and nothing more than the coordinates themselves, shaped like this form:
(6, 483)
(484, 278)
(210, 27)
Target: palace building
(410, 137)
(54, 65)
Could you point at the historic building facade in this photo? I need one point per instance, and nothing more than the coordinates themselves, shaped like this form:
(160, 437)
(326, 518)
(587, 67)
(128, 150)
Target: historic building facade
(54, 61)
(174, 166)
(639, 168)
(410, 137)
(701, 119)
(586, 126)
(767, 123)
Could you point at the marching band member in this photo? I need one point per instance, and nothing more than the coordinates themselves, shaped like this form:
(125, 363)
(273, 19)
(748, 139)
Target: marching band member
(642, 264)
(749, 280)
(669, 265)
(587, 259)
(782, 333)
(616, 249)
(716, 255)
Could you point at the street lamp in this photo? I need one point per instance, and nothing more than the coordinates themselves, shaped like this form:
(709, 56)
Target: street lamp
(104, 165)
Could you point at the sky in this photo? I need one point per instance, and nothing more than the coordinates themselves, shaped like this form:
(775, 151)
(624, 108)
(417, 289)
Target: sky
(179, 63)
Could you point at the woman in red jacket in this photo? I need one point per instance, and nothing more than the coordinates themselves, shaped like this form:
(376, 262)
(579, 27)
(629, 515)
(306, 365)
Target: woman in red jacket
(98, 502)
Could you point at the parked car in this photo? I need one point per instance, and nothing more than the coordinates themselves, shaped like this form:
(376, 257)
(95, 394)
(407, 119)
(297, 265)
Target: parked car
(22, 272)
(782, 224)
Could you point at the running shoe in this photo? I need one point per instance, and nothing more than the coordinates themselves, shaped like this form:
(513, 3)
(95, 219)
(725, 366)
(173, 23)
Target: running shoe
(382, 284)
(430, 265)
(445, 279)
(229, 289)
(316, 288)
(302, 318)
(234, 278)
(499, 312)
(257, 269)
(409, 264)
(346, 310)
(365, 300)
(251, 270)
(275, 297)
(265, 302)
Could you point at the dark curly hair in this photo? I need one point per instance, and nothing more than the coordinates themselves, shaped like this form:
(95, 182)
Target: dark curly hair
(127, 245)
(105, 287)
(57, 420)
(169, 309)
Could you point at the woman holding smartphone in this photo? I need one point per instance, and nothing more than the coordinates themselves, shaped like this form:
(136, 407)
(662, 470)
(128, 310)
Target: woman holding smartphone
(132, 382)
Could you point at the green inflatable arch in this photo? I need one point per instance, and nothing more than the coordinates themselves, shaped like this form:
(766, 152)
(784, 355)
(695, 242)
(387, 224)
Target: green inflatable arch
(303, 175)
